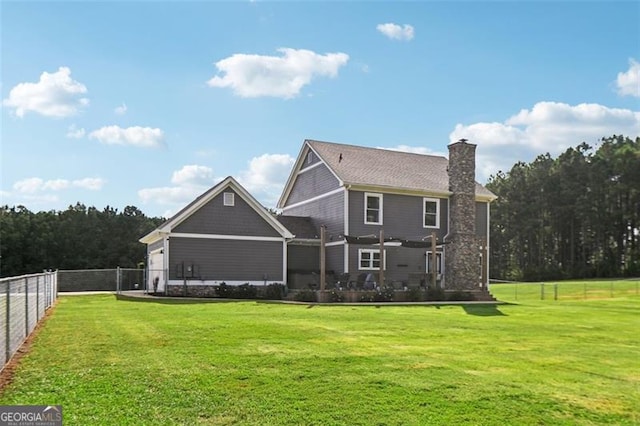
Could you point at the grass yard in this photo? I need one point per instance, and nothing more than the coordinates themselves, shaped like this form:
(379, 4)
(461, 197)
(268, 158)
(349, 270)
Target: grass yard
(539, 362)
(566, 290)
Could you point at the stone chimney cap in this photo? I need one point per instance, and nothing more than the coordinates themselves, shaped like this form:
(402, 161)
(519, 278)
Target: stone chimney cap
(462, 141)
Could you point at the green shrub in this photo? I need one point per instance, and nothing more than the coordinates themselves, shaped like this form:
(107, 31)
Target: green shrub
(224, 290)
(368, 297)
(275, 291)
(435, 294)
(306, 296)
(336, 296)
(384, 294)
(246, 291)
(415, 294)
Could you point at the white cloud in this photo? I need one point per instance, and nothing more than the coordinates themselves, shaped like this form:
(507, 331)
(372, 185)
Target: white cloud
(54, 95)
(395, 31)
(34, 184)
(74, 132)
(264, 179)
(189, 182)
(266, 176)
(145, 137)
(29, 185)
(56, 185)
(628, 82)
(547, 127)
(121, 110)
(252, 76)
(92, 184)
(193, 175)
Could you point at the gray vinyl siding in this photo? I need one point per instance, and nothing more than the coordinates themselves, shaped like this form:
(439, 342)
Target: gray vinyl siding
(334, 257)
(481, 219)
(328, 211)
(215, 218)
(303, 258)
(155, 245)
(402, 217)
(316, 181)
(314, 158)
(401, 262)
(231, 260)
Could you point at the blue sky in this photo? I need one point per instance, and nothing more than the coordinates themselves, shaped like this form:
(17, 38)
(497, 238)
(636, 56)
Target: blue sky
(151, 103)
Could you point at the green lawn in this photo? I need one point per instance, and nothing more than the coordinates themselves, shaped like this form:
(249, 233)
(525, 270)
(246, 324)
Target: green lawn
(539, 362)
(566, 290)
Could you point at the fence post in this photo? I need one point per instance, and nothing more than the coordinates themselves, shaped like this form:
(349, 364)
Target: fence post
(37, 298)
(26, 308)
(541, 291)
(555, 291)
(47, 289)
(7, 327)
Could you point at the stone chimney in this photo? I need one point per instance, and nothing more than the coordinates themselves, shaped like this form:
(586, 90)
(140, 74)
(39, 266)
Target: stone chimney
(462, 264)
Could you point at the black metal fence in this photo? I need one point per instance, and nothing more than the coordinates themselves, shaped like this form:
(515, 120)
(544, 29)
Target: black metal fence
(116, 280)
(23, 303)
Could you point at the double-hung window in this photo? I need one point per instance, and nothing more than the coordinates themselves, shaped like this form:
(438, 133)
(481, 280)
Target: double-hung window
(369, 259)
(431, 212)
(373, 209)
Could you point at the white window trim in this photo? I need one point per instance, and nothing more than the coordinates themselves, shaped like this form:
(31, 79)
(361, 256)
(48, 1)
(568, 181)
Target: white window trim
(439, 255)
(372, 251)
(379, 197)
(424, 212)
(228, 199)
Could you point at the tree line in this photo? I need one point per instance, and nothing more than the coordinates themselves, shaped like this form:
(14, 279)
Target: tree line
(574, 216)
(79, 237)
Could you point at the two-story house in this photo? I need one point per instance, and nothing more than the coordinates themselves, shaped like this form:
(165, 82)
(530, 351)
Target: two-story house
(354, 193)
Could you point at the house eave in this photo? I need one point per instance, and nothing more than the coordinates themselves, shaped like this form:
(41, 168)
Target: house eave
(486, 198)
(168, 226)
(297, 167)
(304, 242)
(153, 236)
(412, 191)
(396, 190)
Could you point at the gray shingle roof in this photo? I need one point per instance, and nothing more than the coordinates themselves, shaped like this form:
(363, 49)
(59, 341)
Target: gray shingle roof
(301, 227)
(385, 168)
